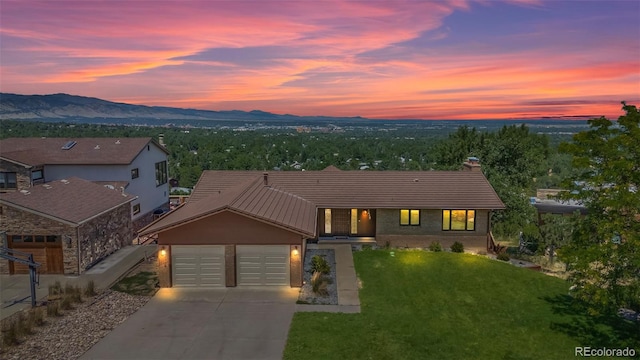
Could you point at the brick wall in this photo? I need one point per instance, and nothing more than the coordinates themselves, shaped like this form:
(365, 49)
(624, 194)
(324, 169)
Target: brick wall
(104, 235)
(389, 231)
(23, 175)
(476, 244)
(164, 266)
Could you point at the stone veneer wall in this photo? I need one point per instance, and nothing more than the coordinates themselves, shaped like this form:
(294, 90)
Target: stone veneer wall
(23, 175)
(103, 235)
(147, 218)
(15, 221)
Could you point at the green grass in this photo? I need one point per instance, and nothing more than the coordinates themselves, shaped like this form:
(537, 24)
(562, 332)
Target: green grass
(142, 283)
(424, 305)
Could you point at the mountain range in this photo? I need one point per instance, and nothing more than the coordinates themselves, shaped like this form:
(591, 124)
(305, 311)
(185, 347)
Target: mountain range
(65, 107)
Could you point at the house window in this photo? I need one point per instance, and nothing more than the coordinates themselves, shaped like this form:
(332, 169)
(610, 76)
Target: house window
(354, 221)
(136, 209)
(327, 221)
(459, 220)
(134, 173)
(161, 173)
(8, 180)
(409, 217)
(36, 175)
(35, 238)
(53, 238)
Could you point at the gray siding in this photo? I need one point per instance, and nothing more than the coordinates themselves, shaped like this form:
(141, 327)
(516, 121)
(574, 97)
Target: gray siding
(144, 187)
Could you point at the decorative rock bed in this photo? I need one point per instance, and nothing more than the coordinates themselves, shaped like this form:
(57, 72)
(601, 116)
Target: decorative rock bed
(307, 296)
(76, 331)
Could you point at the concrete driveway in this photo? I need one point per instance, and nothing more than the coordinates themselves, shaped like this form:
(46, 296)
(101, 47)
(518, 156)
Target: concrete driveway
(228, 323)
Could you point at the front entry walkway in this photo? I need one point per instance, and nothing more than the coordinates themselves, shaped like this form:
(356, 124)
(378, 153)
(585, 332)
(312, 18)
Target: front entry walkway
(225, 323)
(348, 300)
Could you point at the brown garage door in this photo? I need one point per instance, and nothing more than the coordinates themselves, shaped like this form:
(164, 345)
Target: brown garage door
(46, 250)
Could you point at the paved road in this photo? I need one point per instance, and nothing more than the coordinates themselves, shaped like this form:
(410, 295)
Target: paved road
(228, 323)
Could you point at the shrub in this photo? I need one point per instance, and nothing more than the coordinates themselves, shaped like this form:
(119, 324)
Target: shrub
(503, 256)
(55, 290)
(457, 247)
(65, 304)
(435, 246)
(23, 325)
(10, 335)
(319, 284)
(53, 308)
(76, 296)
(90, 289)
(320, 264)
(69, 289)
(36, 316)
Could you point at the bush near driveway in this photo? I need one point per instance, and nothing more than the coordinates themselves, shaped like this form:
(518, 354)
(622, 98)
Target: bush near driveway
(426, 305)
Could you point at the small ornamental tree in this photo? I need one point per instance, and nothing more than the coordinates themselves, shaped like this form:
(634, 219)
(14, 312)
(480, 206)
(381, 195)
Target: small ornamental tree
(555, 232)
(604, 257)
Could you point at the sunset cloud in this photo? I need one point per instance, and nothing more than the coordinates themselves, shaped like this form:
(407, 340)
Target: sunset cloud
(399, 59)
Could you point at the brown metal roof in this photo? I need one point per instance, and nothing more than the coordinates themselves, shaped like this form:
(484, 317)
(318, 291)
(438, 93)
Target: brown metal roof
(291, 198)
(86, 151)
(252, 199)
(73, 200)
(369, 189)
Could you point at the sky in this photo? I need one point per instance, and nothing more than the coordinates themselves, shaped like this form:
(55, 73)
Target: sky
(416, 59)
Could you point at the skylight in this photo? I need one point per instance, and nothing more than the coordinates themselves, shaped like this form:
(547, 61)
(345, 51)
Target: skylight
(69, 145)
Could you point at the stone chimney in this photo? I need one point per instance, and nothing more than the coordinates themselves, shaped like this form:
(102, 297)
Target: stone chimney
(161, 139)
(472, 164)
(265, 177)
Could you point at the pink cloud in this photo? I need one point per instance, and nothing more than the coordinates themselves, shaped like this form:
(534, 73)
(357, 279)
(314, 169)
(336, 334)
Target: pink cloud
(342, 58)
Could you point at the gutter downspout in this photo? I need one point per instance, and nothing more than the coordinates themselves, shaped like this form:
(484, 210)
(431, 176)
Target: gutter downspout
(78, 247)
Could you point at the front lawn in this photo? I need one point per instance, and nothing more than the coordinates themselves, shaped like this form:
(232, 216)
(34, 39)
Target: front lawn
(423, 305)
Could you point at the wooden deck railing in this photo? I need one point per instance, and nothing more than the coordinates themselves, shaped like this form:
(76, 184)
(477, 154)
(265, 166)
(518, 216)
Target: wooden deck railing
(491, 242)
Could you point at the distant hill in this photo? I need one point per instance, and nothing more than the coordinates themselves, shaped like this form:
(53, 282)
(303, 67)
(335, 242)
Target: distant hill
(63, 107)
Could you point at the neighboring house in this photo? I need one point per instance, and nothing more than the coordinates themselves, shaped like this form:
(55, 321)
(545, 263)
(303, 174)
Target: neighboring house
(546, 203)
(68, 225)
(252, 228)
(139, 165)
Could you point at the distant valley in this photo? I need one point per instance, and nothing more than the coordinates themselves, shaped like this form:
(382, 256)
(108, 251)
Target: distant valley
(79, 109)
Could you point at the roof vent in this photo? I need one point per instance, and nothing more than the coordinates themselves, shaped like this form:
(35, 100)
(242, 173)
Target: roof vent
(110, 187)
(69, 145)
(97, 147)
(46, 186)
(118, 142)
(25, 192)
(64, 181)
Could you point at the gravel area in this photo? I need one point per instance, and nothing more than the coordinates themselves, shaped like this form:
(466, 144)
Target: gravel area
(306, 293)
(71, 335)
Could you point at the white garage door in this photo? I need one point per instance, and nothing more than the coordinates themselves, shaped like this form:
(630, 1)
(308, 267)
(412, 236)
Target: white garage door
(197, 265)
(263, 264)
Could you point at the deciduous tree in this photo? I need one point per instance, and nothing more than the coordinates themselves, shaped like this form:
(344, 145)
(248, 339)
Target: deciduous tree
(604, 255)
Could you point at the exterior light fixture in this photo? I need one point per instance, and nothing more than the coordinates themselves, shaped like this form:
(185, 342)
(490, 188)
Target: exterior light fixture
(163, 252)
(295, 251)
